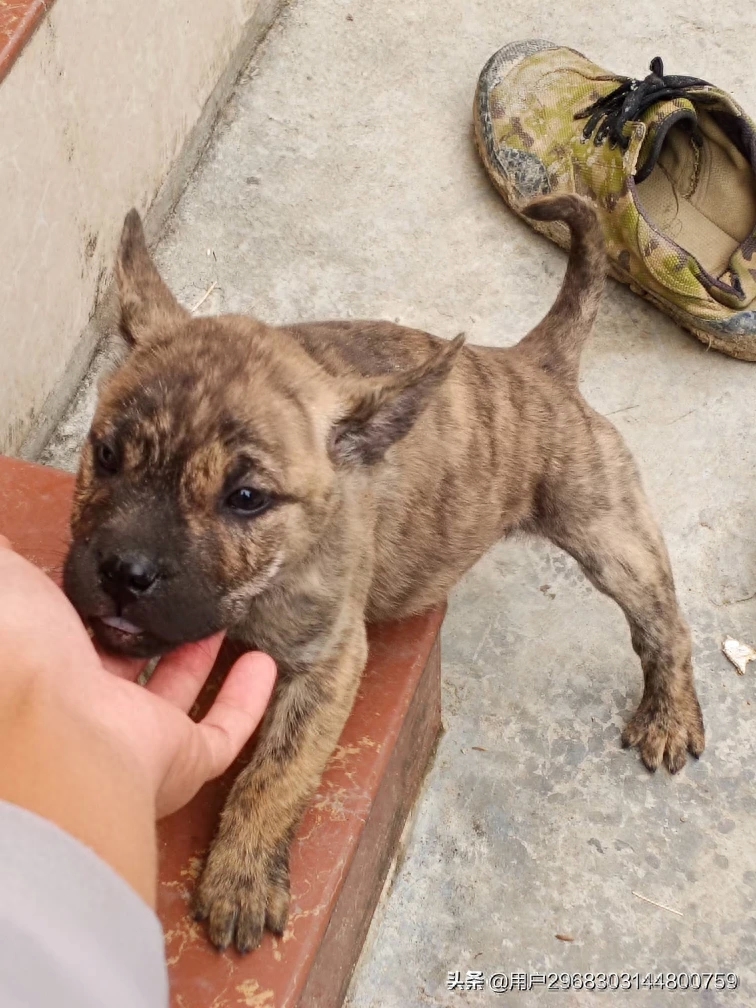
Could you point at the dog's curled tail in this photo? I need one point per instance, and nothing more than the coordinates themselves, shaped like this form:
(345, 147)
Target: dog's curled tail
(556, 342)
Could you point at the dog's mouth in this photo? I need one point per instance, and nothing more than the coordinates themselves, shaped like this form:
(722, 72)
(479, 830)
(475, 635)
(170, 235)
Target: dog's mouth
(118, 623)
(121, 636)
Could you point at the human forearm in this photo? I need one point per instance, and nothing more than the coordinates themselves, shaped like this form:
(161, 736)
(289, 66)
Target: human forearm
(59, 764)
(90, 750)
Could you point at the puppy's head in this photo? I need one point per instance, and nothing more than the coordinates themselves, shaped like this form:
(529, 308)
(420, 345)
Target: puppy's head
(215, 459)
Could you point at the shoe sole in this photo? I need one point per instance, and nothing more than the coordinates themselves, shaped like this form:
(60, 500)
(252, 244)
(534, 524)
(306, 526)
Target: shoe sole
(510, 56)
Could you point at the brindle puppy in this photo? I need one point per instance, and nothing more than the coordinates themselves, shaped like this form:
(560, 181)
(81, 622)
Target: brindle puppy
(290, 484)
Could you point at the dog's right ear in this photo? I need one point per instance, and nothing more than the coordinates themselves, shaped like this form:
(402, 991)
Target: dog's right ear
(147, 306)
(379, 412)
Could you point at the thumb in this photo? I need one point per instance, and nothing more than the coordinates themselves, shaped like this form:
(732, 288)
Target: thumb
(237, 711)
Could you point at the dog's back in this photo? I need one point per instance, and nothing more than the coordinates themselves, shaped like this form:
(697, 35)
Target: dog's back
(470, 469)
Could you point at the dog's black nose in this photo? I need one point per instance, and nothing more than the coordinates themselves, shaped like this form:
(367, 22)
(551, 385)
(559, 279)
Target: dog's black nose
(127, 576)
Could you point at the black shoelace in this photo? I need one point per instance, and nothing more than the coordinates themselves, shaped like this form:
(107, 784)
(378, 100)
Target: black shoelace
(627, 103)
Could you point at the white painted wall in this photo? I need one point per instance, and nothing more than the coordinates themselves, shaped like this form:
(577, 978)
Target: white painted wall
(107, 104)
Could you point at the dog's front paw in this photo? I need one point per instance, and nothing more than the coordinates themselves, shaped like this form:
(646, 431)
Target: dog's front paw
(666, 729)
(241, 893)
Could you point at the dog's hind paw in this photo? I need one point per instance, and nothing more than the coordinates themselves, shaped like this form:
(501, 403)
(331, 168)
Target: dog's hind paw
(240, 895)
(666, 730)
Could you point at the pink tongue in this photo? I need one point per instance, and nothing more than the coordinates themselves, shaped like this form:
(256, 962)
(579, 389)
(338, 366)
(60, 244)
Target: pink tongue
(121, 624)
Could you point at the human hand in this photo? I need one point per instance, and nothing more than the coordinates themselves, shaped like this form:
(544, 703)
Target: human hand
(44, 647)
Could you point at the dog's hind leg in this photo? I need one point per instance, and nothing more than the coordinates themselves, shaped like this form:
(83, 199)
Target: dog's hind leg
(605, 523)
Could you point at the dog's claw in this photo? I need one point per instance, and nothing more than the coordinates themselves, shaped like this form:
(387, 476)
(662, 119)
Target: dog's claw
(238, 900)
(664, 733)
(278, 911)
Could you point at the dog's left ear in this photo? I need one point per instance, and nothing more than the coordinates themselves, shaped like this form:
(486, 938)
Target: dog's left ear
(381, 412)
(147, 306)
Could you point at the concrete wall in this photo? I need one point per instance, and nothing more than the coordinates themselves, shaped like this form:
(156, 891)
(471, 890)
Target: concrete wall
(107, 108)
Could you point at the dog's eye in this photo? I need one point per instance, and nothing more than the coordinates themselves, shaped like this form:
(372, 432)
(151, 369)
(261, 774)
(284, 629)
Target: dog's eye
(248, 501)
(107, 457)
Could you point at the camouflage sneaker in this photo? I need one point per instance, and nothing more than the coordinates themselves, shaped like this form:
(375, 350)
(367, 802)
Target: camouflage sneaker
(669, 161)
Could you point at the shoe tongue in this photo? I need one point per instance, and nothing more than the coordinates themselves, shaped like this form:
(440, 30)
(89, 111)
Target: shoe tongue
(659, 120)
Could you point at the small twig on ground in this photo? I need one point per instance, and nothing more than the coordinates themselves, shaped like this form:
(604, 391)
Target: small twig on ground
(205, 296)
(654, 903)
(622, 409)
(682, 417)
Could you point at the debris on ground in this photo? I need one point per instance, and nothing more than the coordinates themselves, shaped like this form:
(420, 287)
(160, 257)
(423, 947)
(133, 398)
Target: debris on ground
(205, 296)
(738, 653)
(654, 903)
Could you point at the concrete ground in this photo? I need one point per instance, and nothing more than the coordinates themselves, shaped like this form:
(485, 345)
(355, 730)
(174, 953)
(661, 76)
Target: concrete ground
(342, 181)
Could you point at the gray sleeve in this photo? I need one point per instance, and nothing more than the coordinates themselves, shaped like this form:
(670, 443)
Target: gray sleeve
(73, 933)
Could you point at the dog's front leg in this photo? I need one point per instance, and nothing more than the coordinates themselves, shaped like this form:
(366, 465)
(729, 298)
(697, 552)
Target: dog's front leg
(245, 884)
